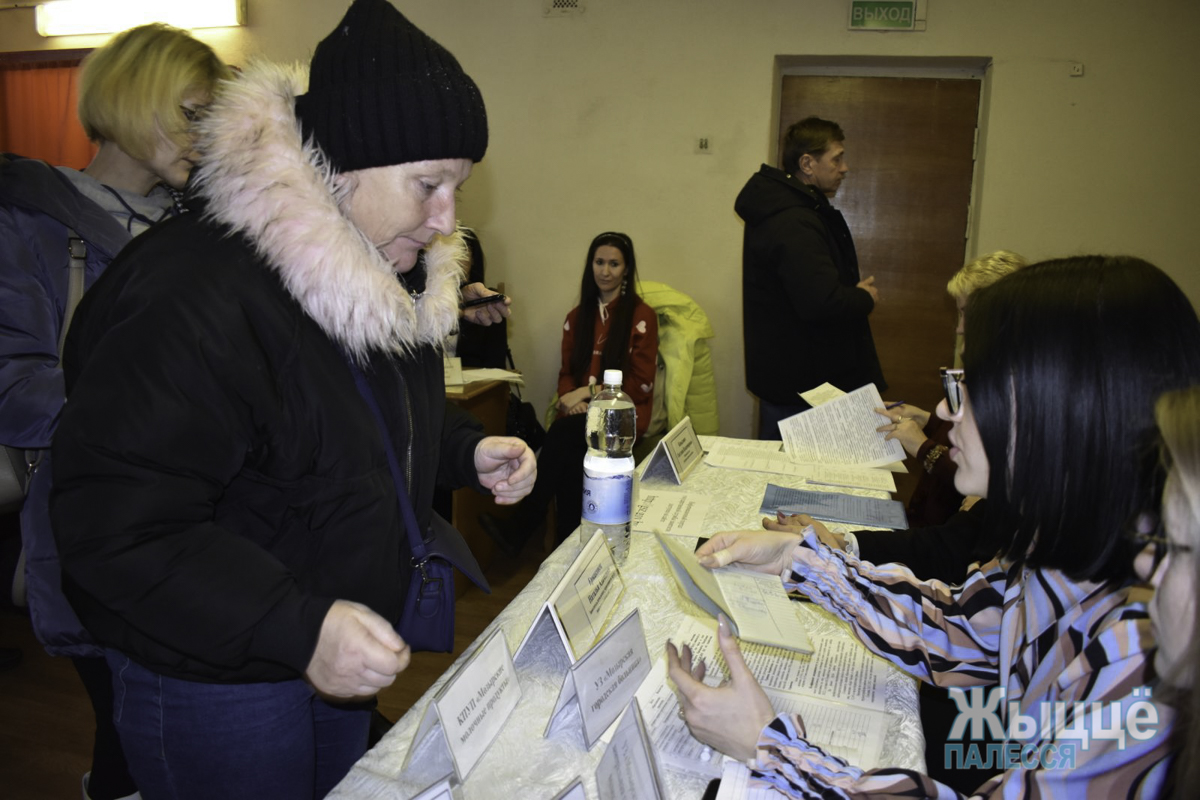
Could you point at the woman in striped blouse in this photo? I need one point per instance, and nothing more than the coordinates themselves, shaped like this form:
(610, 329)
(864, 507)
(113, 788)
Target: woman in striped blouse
(1052, 423)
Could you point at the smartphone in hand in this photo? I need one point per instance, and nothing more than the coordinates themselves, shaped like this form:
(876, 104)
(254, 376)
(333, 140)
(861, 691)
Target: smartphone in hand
(483, 301)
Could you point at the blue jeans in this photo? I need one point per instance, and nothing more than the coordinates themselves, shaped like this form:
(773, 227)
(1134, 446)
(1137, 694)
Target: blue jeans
(185, 739)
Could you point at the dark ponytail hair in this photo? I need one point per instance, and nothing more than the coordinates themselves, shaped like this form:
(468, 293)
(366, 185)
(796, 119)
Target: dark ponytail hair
(616, 348)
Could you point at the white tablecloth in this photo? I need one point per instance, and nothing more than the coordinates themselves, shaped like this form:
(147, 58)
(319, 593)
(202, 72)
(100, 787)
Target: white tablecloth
(521, 763)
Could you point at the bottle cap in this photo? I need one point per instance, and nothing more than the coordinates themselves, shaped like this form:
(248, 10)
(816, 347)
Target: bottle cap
(612, 376)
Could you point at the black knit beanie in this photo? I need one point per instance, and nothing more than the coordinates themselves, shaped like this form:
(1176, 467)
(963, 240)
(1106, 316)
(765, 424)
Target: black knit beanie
(381, 92)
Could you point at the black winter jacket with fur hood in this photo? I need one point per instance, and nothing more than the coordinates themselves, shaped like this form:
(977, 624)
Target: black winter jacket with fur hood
(219, 481)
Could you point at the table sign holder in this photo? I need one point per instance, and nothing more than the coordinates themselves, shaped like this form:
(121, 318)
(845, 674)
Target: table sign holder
(676, 454)
(574, 615)
(628, 767)
(600, 684)
(573, 792)
(468, 713)
(442, 790)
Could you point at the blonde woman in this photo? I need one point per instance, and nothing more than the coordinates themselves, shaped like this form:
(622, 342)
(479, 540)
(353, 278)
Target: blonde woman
(1172, 566)
(138, 96)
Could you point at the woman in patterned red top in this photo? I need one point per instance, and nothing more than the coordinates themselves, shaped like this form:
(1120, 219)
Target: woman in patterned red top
(1052, 422)
(611, 328)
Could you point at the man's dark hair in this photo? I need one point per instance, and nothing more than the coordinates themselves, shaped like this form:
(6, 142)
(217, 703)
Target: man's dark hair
(1063, 363)
(810, 136)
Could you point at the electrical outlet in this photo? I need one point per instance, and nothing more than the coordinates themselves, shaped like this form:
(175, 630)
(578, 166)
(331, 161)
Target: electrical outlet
(704, 145)
(1076, 69)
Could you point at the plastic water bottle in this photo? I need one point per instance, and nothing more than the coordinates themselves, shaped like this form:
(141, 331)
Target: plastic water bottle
(608, 465)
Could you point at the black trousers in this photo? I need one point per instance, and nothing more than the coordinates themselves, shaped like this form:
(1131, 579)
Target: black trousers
(559, 478)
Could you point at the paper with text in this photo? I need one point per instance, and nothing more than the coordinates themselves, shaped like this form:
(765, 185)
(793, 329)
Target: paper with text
(477, 701)
(608, 675)
(834, 507)
(676, 513)
(756, 604)
(581, 603)
(842, 431)
(728, 454)
(674, 745)
(628, 769)
(839, 669)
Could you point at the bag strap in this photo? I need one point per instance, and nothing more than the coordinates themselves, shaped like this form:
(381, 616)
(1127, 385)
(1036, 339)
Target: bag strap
(415, 541)
(514, 387)
(77, 249)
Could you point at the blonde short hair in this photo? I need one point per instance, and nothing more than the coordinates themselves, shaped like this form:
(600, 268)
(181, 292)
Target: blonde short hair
(130, 89)
(1178, 416)
(983, 272)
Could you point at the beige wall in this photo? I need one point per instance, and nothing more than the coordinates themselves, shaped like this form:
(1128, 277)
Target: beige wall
(593, 117)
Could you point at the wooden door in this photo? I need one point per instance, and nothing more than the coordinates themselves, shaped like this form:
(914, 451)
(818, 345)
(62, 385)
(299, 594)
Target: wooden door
(910, 143)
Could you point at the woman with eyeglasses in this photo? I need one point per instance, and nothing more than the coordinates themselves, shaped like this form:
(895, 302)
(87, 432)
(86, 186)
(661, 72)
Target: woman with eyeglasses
(611, 328)
(1052, 421)
(138, 96)
(1171, 565)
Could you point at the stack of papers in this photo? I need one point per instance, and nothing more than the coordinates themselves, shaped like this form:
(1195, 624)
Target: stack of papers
(835, 507)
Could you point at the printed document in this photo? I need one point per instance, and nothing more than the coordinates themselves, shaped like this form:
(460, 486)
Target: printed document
(732, 454)
(842, 431)
(756, 605)
(835, 507)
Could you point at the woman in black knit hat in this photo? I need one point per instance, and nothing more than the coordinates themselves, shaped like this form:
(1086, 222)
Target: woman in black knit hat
(229, 525)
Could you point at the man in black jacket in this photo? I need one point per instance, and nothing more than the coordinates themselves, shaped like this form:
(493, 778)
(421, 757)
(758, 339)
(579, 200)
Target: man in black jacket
(804, 305)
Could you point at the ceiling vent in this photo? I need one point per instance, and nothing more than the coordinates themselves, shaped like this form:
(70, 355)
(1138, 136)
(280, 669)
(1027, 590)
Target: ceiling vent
(562, 8)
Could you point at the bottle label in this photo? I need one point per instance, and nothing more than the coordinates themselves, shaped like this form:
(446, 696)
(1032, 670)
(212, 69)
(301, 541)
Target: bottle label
(607, 499)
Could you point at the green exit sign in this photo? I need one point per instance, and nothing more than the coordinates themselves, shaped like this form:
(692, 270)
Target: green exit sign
(882, 15)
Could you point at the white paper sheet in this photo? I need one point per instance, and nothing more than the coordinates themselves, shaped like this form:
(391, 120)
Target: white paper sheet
(821, 395)
(674, 745)
(842, 431)
(839, 669)
(675, 513)
(756, 604)
(729, 454)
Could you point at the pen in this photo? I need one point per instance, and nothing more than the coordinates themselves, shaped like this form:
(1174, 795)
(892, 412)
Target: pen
(890, 406)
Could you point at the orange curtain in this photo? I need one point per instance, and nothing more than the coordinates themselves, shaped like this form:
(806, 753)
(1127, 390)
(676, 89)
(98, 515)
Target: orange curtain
(37, 113)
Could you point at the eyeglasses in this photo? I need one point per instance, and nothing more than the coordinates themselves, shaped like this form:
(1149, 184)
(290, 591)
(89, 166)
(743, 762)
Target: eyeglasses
(192, 114)
(952, 384)
(1158, 540)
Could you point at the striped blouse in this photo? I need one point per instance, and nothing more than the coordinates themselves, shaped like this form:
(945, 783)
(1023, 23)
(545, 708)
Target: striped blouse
(1043, 637)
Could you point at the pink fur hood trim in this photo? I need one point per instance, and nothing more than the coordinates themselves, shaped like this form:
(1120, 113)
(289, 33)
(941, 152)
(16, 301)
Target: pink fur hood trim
(262, 180)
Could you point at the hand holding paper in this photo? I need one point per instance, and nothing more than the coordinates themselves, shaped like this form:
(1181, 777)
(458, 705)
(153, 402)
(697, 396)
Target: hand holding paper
(729, 717)
(769, 553)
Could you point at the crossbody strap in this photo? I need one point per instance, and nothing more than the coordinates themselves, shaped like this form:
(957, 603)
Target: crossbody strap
(415, 540)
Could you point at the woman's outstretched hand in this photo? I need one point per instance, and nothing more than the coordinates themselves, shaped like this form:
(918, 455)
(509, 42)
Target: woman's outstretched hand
(729, 717)
(506, 467)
